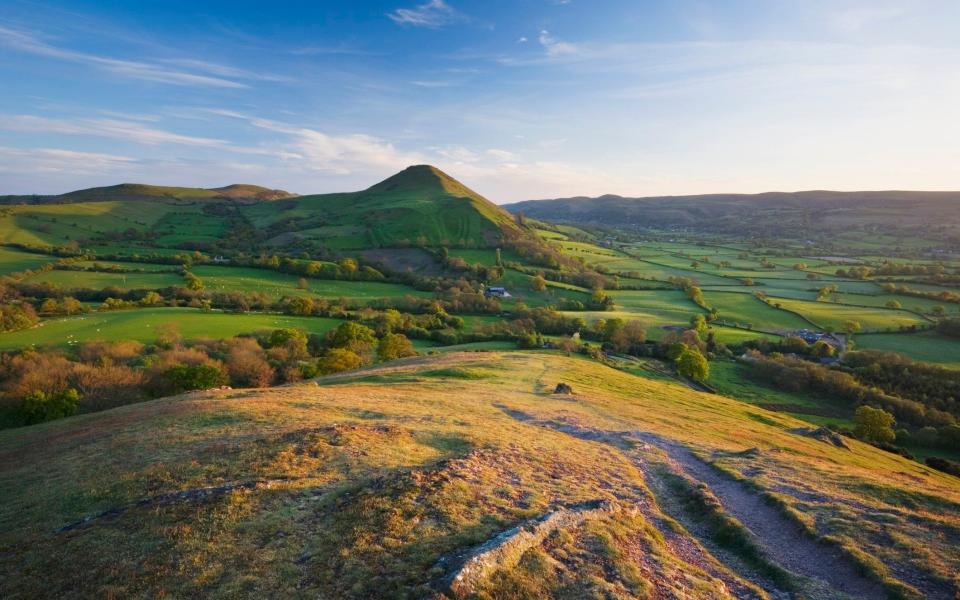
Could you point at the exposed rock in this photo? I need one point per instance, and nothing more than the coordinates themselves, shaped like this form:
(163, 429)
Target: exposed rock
(563, 388)
(823, 434)
(467, 570)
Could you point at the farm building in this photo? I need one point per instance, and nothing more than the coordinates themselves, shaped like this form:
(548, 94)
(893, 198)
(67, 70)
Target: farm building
(496, 292)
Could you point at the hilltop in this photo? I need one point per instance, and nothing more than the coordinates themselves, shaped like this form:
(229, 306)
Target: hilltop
(771, 212)
(386, 482)
(137, 192)
(420, 205)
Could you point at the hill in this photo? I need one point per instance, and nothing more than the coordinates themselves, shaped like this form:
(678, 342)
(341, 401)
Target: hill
(421, 205)
(136, 192)
(407, 479)
(772, 212)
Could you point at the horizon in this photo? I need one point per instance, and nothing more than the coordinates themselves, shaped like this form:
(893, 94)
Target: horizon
(547, 99)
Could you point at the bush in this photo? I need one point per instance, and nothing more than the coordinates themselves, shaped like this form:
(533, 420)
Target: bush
(943, 464)
(183, 378)
(874, 425)
(693, 364)
(38, 407)
(247, 364)
(393, 346)
(338, 359)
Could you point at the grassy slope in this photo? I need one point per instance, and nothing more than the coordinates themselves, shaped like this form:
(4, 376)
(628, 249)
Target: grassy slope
(141, 325)
(371, 483)
(420, 201)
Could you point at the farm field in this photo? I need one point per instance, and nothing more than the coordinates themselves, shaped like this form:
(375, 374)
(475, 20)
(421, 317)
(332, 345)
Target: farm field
(747, 310)
(98, 280)
(276, 285)
(142, 325)
(12, 261)
(827, 314)
(925, 346)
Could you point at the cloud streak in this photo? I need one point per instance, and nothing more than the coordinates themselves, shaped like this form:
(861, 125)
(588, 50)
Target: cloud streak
(145, 71)
(432, 14)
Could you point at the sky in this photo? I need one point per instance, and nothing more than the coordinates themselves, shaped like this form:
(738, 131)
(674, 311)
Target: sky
(518, 99)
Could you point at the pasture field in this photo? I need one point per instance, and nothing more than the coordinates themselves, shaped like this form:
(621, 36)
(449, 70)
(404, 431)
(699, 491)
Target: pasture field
(12, 260)
(829, 314)
(746, 309)
(276, 285)
(98, 280)
(141, 325)
(927, 346)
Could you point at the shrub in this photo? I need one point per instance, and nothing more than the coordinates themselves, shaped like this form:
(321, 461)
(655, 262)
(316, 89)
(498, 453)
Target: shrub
(874, 425)
(943, 464)
(393, 346)
(338, 359)
(183, 378)
(38, 407)
(247, 364)
(693, 364)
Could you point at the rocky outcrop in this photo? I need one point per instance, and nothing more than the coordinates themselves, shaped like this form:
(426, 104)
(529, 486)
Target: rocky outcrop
(465, 571)
(823, 434)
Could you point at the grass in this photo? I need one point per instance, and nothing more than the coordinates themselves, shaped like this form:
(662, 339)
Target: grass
(142, 324)
(926, 346)
(828, 314)
(370, 484)
(12, 261)
(99, 280)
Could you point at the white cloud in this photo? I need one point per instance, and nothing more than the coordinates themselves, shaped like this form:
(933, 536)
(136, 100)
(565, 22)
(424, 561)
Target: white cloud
(127, 68)
(555, 47)
(432, 14)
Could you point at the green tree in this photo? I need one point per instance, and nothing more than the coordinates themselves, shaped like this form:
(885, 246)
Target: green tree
(183, 378)
(698, 323)
(393, 346)
(850, 327)
(193, 282)
(874, 424)
(894, 304)
(41, 406)
(338, 359)
(538, 283)
(693, 364)
(352, 336)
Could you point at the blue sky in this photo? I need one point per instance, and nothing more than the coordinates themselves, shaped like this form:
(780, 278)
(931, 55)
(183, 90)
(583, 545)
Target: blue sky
(518, 99)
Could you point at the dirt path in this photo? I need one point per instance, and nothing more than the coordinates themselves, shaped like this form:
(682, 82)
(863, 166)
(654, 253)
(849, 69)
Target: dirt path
(780, 539)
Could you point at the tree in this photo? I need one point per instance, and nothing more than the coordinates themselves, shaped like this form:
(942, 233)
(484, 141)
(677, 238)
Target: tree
(302, 284)
(693, 364)
(183, 378)
(698, 323)
(393, 346)
(850, 327)
(352, 336)
(193, 282)
(247, 364)
(168, 334)
(874, 424)
(821, 349)
(538, 283)
(338, 359)
(38, 407)
(894, 304)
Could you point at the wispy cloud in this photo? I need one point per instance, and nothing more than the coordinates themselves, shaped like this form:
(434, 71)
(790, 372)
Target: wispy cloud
(57, 160)
(107, 128)
(555, 47)
(432, 14)
(146, 71)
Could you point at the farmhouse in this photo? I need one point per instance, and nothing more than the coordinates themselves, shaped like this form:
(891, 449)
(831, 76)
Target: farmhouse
(812, 337)
(496, 292)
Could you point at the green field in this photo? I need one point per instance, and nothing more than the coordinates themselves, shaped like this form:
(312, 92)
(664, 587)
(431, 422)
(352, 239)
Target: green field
(746, 309)
(926, 346)
(826, 314)
(141, 325)
(12, 261)
(99, 280)
(275, 284)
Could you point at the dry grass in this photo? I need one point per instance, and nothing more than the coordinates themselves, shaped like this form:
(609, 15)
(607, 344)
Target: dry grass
(369, 478)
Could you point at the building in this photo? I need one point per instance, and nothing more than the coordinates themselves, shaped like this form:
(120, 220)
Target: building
(496, 292)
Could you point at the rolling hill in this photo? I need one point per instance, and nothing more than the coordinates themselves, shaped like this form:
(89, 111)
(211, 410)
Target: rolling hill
(421, 205)
(137, 192)
(772, 212)
(407, 480)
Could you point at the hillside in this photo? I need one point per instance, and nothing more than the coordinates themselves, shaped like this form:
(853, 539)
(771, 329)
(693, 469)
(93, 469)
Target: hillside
(421, 205)
(772, 212)
(135, 192)
(388, 482)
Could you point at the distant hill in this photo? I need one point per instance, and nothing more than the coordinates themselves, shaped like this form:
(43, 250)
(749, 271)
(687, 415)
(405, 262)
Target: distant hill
(139, 192)
(421, 205)
(771, 212)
